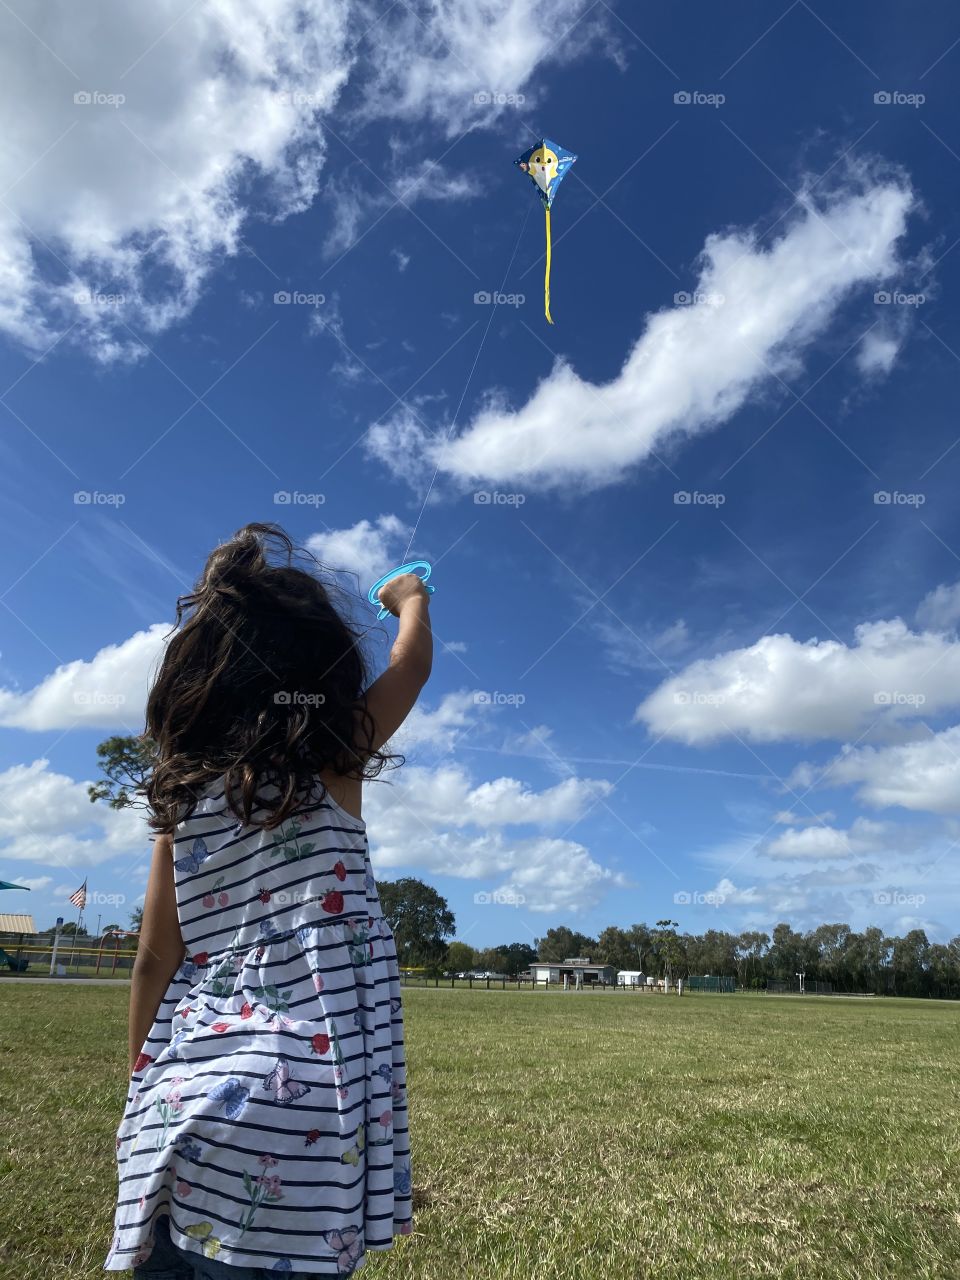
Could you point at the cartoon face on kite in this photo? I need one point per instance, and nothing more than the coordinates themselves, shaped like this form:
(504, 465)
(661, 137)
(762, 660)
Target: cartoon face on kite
(542, 167)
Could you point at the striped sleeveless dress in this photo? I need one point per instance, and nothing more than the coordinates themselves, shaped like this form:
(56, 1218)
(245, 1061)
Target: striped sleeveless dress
(267, 1112)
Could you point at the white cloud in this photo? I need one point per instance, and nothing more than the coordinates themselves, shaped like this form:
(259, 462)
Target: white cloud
(140, 199)
(815, 843)
(368, 548)
(694, 365)
(35, 882)
(787, 817)
(922, 775)
(441, 822)
(47, 818)
(782, 689)
(222, 120)
(107, 692)
(441, 728)
(877, 353)
(939, 610)
(354, 204)
(436, 59)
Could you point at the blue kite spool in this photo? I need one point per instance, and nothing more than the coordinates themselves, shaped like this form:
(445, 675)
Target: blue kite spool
(414, 566)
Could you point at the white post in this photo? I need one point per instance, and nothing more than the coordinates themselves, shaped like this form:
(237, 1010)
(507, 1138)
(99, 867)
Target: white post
(56, 940)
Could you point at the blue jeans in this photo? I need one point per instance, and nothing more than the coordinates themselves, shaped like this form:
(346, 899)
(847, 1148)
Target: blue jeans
(168, 1262)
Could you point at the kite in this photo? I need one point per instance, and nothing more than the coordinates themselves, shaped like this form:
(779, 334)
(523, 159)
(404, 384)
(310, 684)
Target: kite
(547, 164)
(373, 595)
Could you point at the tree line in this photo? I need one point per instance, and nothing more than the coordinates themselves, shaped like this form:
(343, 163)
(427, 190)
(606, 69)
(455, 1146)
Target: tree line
(870, 961)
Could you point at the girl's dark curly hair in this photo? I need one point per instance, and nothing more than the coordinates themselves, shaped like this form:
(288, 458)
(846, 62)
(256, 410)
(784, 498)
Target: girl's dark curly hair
(261, 685)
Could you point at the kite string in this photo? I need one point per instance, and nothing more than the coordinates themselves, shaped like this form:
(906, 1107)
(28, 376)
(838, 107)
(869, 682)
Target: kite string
(453, 423)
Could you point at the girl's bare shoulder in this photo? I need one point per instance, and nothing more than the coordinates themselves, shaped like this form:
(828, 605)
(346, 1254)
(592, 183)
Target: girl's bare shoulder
(347, 792)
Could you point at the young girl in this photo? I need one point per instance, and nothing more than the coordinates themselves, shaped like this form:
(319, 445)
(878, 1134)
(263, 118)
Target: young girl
(265, 1128)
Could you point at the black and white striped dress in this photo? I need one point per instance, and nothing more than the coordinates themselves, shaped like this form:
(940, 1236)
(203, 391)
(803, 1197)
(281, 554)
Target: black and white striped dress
(267, 1113)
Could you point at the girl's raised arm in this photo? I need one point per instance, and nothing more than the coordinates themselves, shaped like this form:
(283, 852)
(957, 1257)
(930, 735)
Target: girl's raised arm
(392, 696)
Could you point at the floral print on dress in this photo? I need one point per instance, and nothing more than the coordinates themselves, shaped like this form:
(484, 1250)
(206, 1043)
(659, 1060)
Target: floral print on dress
(290, 848)
(260, 1187)
(169, 1106)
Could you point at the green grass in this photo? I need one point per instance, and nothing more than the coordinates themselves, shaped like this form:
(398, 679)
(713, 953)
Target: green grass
(566, 1137)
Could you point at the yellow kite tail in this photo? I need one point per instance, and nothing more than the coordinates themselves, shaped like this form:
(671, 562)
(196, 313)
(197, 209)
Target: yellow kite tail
(546, 275)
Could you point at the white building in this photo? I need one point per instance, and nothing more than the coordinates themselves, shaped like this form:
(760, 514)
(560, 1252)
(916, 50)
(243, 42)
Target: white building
(631, 978)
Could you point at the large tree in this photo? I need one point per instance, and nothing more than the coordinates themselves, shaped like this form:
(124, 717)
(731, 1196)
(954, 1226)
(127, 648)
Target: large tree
(420, 919)
(461, 957)
(125, 763)
(562, 943)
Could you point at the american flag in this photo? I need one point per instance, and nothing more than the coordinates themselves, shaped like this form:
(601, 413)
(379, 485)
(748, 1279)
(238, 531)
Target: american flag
(79, 899)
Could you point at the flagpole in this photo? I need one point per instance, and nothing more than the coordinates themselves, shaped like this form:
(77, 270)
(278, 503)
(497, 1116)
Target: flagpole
(83, 903)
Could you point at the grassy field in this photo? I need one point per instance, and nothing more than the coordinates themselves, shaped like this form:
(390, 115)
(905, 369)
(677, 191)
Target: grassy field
(567, 1137)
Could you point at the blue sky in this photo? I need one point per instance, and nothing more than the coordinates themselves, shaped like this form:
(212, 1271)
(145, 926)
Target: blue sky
(730, 710)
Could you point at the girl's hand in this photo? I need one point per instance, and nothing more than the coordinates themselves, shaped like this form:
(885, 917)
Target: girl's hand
(396, 593)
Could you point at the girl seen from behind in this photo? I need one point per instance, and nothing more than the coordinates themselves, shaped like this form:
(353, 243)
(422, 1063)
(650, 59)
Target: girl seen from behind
(265, 1127)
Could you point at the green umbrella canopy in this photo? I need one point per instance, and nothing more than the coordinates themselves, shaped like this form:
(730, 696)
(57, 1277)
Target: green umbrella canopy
(5, 884)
